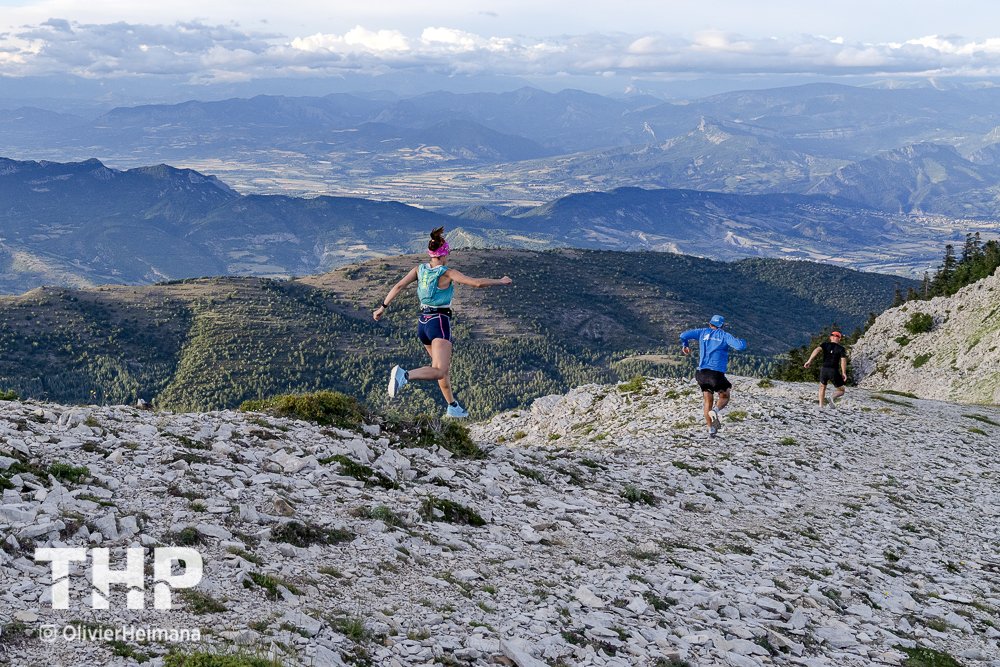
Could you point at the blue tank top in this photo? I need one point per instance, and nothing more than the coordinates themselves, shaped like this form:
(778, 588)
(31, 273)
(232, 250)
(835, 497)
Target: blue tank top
(427, 287)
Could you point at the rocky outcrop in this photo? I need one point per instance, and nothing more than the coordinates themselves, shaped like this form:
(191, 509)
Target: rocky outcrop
(601, 528)
(958, 359)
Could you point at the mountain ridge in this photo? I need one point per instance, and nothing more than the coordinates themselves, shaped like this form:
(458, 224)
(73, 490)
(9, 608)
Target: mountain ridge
(571, 316)
(85, 224)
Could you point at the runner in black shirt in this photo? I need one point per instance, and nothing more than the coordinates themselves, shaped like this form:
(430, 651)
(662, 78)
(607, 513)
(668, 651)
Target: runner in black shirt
(834, 367)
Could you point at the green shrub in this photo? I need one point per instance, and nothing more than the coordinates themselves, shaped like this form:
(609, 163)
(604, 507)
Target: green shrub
(207, 659)
(919, 323)
(982, 418)
(922, 359)
(452, 512)
(9, 395)
(634, 494)
(305, 534)
(361, 472)
(329, 408)
(68, 473)
(429, 432)
(920, 656)
(905, 394)
(269, 583)
(634, 385)
(201, 603)
(185, 537)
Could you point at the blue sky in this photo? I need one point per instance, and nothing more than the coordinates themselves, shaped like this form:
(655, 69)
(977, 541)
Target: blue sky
(640, 42)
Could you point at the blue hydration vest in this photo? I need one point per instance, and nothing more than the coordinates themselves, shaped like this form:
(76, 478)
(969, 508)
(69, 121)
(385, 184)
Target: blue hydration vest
(427, 287)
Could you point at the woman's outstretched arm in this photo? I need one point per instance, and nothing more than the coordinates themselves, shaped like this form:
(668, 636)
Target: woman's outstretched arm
(396, 289)
(463, 279)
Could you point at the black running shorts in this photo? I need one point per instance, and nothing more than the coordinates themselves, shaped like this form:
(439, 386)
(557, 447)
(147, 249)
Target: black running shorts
(433, 325)
(831, 375)
(712, 381)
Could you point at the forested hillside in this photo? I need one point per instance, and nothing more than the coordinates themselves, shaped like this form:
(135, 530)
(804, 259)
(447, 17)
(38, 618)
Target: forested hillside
(571, 317)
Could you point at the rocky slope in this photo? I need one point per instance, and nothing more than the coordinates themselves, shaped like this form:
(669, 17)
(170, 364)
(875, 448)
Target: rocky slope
(613, 532)
(956, 360)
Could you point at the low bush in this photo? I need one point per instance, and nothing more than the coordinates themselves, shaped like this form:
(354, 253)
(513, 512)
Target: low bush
(306, 534)
(919, 323)
(329, 408)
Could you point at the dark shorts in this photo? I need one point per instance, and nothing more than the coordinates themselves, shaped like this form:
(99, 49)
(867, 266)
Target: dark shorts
(831, 375)
(429, 327)
(712, 381)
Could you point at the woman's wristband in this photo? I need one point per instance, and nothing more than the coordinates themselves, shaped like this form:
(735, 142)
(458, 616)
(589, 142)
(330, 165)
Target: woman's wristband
(385, 305)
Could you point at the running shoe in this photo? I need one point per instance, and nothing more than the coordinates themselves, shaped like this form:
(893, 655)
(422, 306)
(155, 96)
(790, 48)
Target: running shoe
(716, 422)
(457, 412)
(397, 378)
(712, 430)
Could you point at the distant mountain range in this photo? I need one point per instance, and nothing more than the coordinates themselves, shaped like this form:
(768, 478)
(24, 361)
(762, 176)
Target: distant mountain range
(81, 224)
(571, 316)
(878, 147)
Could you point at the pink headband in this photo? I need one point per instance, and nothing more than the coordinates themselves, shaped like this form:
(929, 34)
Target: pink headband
(440, 252)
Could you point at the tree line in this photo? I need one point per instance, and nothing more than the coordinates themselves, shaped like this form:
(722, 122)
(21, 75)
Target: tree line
(978, 260)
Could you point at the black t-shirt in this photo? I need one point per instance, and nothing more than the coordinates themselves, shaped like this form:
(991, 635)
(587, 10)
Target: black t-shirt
(832, 354)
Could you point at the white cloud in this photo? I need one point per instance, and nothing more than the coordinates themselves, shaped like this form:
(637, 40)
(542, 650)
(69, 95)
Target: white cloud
(204, 52)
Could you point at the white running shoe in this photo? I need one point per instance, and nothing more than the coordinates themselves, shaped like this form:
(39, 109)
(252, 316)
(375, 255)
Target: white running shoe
(397, 378)
(457, 412)
(716, 421)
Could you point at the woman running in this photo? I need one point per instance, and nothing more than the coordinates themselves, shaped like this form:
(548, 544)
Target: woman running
(435, 287)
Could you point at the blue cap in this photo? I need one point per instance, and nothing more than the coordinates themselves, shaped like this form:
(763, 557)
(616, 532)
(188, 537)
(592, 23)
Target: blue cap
(717, 321)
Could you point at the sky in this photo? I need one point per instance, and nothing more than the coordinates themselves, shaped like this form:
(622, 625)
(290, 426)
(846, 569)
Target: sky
(597, 45)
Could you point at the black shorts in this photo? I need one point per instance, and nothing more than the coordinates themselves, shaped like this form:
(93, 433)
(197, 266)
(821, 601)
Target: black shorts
(831, 375)
(431, 326)
(712, 381)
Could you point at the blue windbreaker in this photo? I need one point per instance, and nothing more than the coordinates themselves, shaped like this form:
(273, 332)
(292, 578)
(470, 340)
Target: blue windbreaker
(713, 347)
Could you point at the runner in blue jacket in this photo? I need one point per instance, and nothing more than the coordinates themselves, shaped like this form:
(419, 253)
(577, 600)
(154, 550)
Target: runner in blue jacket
(713, 359)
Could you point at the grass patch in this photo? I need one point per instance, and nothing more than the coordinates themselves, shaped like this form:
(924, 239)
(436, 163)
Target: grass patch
(530, 473)
(201, 603)
(360, 472)
(269, 583)
(922, 359)
(983, 419)
(68, 473)
(737, 415)
(306, 534)
(886, 399)
(210, 659)
(380, 513)
(788, 441)
(920, 656)
(245, 555)
(765, 383)
(919, 323)
(352, 627)
(329, 408)
(450, 512)
(430, 432)
(185, 537)
(634, 494)
(634, 385)
(904, 394)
